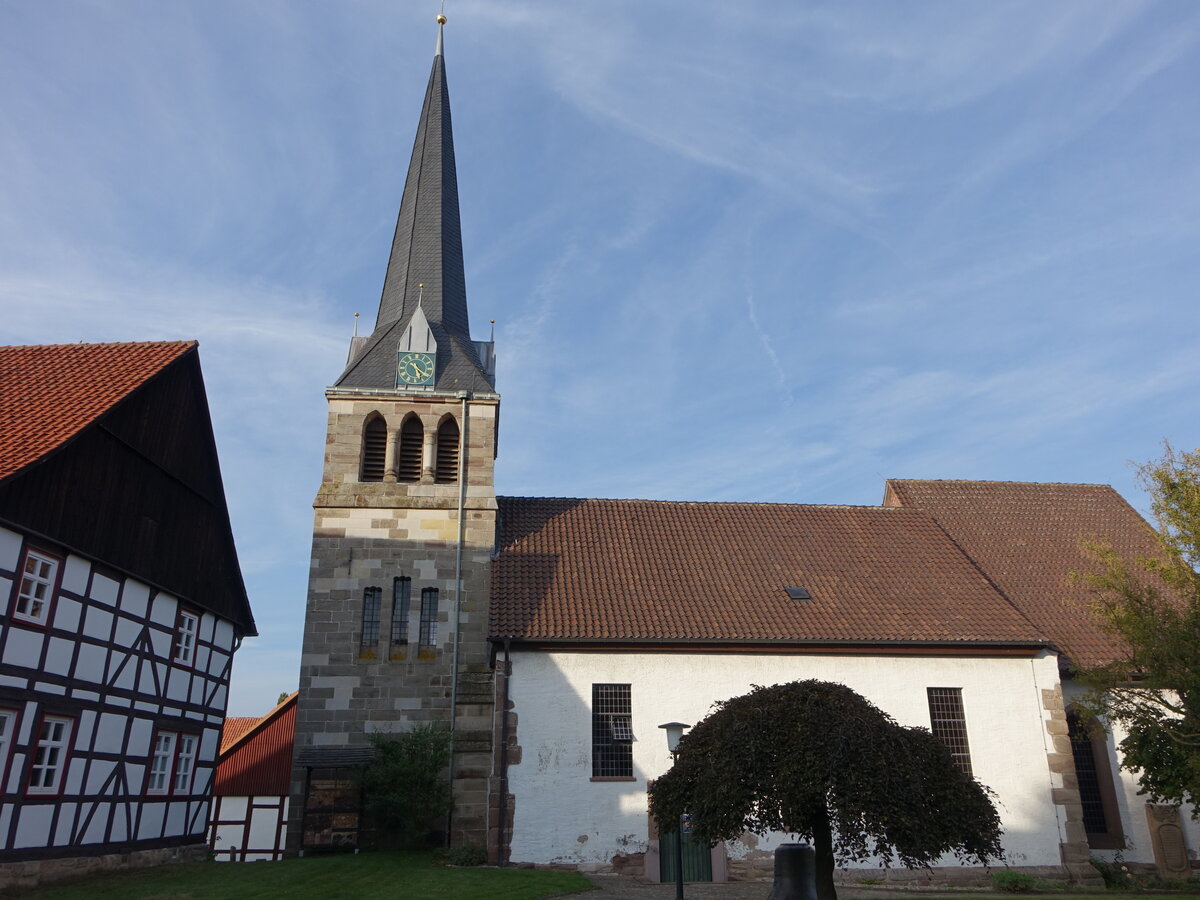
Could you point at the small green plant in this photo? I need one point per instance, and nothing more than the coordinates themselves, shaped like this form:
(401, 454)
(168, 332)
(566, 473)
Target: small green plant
(405, 788)
(1114, 873)
(1011, 882)
(466, 855)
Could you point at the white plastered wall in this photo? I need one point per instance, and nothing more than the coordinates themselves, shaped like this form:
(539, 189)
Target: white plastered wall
(562, 816)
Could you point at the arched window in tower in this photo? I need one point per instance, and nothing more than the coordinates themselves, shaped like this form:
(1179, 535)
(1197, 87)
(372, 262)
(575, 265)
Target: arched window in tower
(408, 459)
(374, 449)
(446, 471)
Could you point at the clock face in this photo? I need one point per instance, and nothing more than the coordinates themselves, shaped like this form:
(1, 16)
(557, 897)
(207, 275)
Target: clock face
(414, 368)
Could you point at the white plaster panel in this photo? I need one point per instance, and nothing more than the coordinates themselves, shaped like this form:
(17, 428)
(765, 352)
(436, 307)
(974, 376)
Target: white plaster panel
(197, 817)
(14, 681)
(75, 575)
(210, 740)
(94, 832)
(133, 777)
(264, 826)
(80, 694)
(199, 686)
(203, 654)
(208, 627)
(5, 588)
(10, 549)
(135, 599)
(145, 681)
(33, 826)
(216, 665)
(235, 807)
(219, 698)
(46, 687)
(89, 666)
(104, 589)
(120, 701)
(24, 648)
(128, 632)
(58, 657)
(110, 734)
(98, 773)
(87, 721)
(160, 642)
(120, 823)
(15, 771)
(66, 613)
(6, 813)
(97, 623)
(146, 706)
(201, 780)
(176, 822)
(126, 678)
(151, 824)
(162, 609)
(177, 684)
(73, 782)
(552, 696)
(139, 737)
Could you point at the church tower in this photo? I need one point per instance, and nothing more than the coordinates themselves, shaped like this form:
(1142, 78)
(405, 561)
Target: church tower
(395, 632)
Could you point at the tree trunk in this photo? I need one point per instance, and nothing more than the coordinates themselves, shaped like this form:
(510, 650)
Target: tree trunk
(823, 845)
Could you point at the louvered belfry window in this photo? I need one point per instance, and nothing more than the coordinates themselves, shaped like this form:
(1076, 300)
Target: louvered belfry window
(612, 731)
(374, 450)
(949, 724)
(408, 460)
(447, 453)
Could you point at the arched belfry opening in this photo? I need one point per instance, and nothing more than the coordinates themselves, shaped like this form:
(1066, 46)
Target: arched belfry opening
(446, 468)
(374, 449)
(408, 450)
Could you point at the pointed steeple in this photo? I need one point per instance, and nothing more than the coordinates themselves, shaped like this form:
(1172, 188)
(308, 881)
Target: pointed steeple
(425, 269)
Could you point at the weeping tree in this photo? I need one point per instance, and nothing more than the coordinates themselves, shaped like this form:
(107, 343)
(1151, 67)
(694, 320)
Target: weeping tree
(817, 760)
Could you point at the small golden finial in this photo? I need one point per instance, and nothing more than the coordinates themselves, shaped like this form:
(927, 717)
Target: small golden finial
(420, 294)
(441, 18)
(356, 324)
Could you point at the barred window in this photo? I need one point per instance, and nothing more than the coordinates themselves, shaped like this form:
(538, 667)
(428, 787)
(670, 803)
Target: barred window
(401, 593)
(429, 617)
(949, 724)
(1089, 747)
(612, 731)
(370, 621)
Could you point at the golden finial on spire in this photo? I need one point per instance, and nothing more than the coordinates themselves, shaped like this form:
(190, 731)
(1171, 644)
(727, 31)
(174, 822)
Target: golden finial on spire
(441, 18)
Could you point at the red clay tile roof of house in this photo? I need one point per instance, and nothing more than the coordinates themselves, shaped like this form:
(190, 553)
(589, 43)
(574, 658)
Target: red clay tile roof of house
(638, 570)
(1027, 538)
(234, 728)
(259, 761)
(50, 392)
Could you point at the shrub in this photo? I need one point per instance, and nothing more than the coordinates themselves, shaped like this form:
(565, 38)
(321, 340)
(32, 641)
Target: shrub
(466, 855)
(1114, 874)
(405, 788)
(1011, 882)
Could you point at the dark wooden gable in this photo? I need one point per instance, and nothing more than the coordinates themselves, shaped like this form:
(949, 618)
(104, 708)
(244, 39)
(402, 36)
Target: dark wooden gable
(140, 490)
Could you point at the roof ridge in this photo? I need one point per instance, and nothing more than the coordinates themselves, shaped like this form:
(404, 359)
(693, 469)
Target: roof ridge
(189, 342)
(997, 481)
(778, 503)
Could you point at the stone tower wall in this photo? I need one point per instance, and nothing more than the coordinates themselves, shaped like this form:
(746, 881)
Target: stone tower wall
(364, 535)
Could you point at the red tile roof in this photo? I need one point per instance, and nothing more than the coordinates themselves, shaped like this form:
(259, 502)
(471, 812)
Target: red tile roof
(638, 570)
(50, 392)
(1027, 538)
(259, 761)
(234, 728)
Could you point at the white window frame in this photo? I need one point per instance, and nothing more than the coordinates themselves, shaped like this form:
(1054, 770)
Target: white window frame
(35, 594)
(8, 730)
(50, 755)
(187, 630)
(172, 763)
(185, 763)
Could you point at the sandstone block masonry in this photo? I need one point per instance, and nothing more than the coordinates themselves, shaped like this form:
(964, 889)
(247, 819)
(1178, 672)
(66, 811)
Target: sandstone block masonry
(357, 677)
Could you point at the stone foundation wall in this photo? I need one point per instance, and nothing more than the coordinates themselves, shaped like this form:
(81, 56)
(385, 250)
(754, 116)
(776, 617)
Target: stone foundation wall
(31, 873)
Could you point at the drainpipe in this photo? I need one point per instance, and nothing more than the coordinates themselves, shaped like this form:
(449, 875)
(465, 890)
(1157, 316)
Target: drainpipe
(501, 856)
(458, 551)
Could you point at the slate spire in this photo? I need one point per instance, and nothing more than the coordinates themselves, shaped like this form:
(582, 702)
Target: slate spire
(426, 261)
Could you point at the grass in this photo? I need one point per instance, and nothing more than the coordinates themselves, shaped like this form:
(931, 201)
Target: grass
(382, 874)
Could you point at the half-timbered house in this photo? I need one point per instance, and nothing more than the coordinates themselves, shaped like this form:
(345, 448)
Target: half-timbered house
(121, 606)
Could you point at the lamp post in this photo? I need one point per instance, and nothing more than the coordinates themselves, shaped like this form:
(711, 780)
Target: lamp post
(674, 733)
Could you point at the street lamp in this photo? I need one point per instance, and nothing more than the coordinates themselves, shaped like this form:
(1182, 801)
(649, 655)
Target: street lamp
(674, 733)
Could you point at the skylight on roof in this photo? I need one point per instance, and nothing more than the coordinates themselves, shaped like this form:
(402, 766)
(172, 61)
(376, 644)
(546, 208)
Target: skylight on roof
(798, 593)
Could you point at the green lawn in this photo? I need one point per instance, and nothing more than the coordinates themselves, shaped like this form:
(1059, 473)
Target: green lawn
(363, 877)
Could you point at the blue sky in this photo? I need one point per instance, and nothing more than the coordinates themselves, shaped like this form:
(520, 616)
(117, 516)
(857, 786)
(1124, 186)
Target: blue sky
(772, 252)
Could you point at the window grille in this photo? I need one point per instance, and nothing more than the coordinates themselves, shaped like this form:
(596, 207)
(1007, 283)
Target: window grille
(612, 731)
(447, 453)
(1084, 751)
(184, 763)
(408, 460)
(37, 586)
(949, 724)
(429, 617)
(372, 597)
(401, 593)
(160, 763)
(374, 451)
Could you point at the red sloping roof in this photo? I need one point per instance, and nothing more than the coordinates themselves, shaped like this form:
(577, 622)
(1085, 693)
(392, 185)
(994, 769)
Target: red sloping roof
(710, 572)
(49, 392)
(260, 761)
(234, 728)
(1027, 538)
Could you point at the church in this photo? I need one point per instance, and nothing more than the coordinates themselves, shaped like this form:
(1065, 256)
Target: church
(554, 636)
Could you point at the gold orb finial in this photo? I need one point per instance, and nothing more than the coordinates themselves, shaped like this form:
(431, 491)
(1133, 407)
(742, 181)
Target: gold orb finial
(441, 18)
